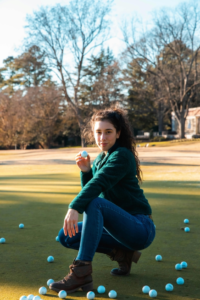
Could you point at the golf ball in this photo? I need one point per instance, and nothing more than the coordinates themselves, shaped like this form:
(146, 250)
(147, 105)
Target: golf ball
(152, 293)
(37, 298)
(57, 239)
(84, 154)
(23, 298)
(42, 290)
(169, 287)
(186, 221)
(2, 241)
(180, 280)
(30, 297)
(178, 267)
(158, 257)
(50, 281)
(183, 264)
(101, 289)
(187, 229)
(50, 259)
(90, 295)
(21, 226)
(146, 289)
(62, 294)
(112, 294)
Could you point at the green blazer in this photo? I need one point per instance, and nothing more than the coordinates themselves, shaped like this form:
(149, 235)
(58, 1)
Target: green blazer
(113, 177)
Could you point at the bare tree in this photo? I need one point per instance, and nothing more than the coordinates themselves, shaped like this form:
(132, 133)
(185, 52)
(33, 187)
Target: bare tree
(67, 34)
(170, 52)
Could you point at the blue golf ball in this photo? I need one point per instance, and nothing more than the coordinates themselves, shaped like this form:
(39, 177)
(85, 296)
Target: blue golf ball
(57, 239)
(152, 293)
(37, 298)
(30, 297)
(178, 267)
(90, 295)
(183, 264)
(169, 287)
(50, 281)
(146, 289)
(84, 154)
(158, 257)
(101, 289)
(180, 280)
(112, 294)
(62, 294)
(23, 298)
(187, 229)
(50, 259)
(21, 226)
(2, 241)
(186, 221)
(42, 290)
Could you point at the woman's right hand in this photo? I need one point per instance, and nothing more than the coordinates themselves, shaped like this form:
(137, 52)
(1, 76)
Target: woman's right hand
(83, 163)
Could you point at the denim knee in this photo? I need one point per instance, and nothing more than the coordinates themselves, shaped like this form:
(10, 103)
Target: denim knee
(95, 202)
(64, 239)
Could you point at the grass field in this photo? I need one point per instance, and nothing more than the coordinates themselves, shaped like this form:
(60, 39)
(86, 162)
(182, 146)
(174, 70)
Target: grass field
(38, 196)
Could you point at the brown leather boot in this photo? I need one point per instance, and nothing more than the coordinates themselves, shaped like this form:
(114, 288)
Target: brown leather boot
(124, 259)
(79, 278)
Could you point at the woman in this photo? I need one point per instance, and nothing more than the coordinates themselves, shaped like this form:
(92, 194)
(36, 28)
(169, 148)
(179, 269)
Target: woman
(116, 215)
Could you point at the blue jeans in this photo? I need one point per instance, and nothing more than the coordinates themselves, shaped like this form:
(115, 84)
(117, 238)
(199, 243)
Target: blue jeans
(105, 226)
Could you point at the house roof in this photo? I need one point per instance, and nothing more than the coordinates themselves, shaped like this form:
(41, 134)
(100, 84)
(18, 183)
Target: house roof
(194, 112)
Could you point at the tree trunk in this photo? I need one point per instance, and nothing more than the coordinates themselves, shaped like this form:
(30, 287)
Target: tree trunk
(160, 118)
(182, 128)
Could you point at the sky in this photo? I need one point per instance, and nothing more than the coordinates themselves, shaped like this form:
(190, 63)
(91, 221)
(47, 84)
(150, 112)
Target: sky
(13, 19)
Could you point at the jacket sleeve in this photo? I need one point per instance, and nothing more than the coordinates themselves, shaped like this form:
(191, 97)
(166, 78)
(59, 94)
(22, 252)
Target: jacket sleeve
(113, 171)
(85, 177)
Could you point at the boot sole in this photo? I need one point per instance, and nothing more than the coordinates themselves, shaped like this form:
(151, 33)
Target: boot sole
(85, 288)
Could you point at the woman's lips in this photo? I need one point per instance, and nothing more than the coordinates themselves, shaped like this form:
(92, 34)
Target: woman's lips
(103, 144)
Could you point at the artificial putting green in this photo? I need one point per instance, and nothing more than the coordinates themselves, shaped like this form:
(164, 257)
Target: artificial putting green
(38, 196)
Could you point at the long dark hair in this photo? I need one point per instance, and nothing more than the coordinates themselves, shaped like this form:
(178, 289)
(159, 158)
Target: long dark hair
(118, 117)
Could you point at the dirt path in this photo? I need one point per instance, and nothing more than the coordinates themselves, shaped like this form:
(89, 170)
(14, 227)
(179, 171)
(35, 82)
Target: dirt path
(186, 155)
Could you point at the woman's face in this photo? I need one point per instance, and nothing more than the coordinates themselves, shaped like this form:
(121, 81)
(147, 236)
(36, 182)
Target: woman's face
(105, 135)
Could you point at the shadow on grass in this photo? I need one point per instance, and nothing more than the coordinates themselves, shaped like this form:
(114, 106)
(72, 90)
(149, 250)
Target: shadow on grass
(24, 256)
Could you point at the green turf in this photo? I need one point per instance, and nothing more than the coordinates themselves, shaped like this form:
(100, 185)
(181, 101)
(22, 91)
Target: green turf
(38, 196)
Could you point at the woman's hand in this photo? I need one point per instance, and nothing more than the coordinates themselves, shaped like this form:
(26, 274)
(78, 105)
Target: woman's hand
(71, 222)
(83, 163)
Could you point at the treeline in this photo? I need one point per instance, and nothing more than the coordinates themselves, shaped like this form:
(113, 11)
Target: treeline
(50, 91)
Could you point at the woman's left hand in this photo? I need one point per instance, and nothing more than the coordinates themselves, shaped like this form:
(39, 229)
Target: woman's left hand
(71, 222)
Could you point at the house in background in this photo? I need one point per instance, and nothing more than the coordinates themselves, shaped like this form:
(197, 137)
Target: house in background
(192, 124)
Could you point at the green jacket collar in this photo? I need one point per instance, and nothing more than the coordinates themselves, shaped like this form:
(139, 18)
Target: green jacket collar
(102, 158)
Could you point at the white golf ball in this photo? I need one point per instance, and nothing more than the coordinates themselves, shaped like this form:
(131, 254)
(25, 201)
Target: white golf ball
(112, 294)
(57, 239)
(37, 298)
(158, 257)
(180, 280)
(152, 293)
(183, 264)
(42, 290)
(30, 297)
(101, 289)
(62, 294)
(178, 267)
(186, 221)
(50, 281)
(169, 287)
(21, 225)
(84, 153)
(50, 259)
(146, 289)
(23, 298)
(2, 241)
(90, 295)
